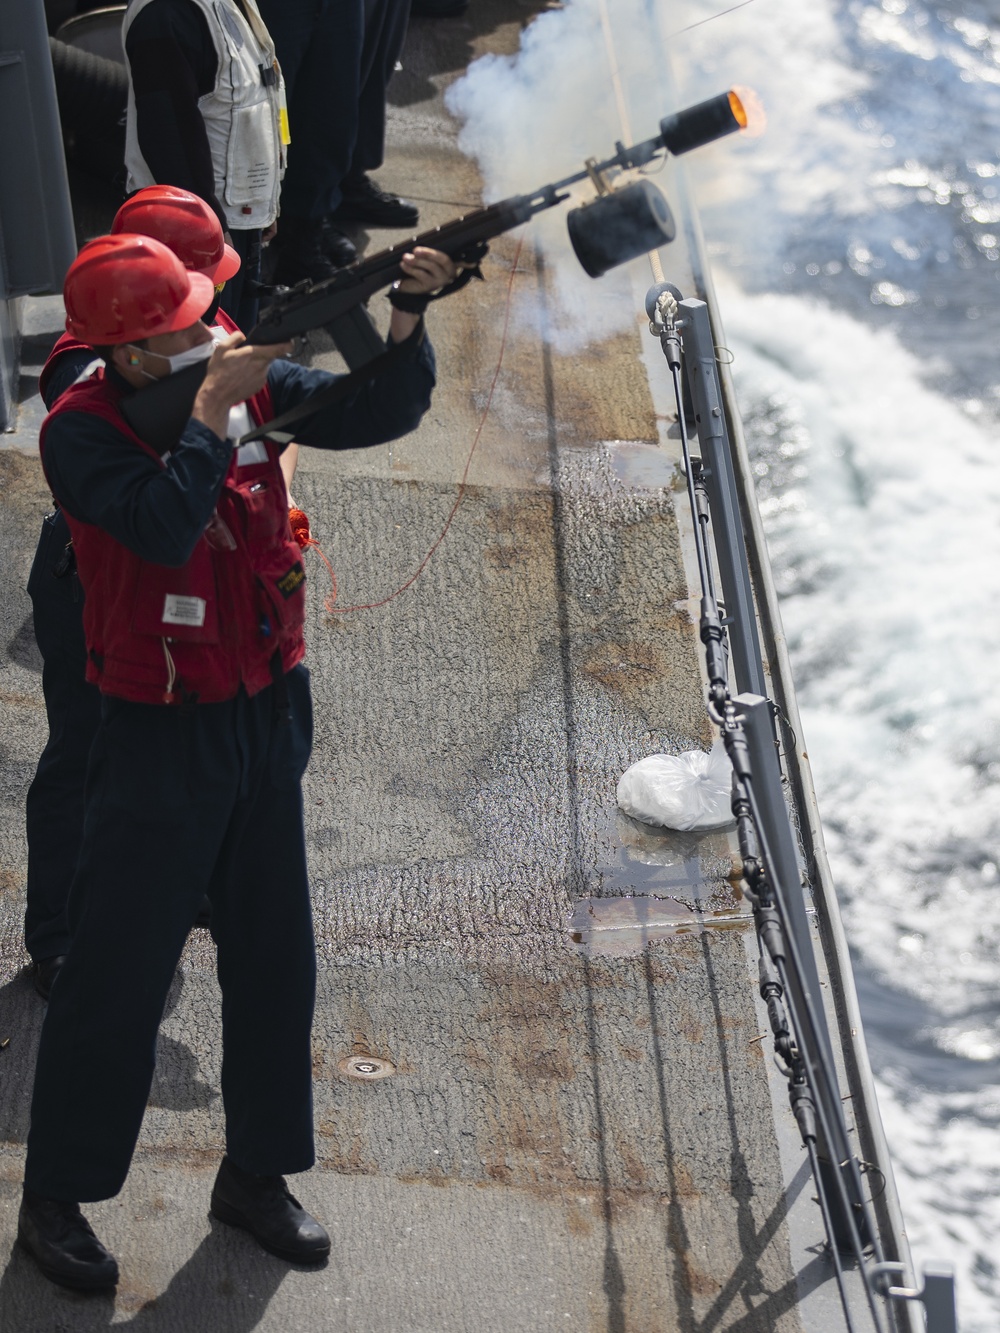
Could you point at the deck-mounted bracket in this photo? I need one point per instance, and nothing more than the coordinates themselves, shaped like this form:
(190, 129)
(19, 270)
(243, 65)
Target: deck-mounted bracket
(937, 1294)
(597, 176)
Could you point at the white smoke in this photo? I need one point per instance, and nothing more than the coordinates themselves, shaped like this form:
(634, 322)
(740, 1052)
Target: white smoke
(597, 71)
(536, 117)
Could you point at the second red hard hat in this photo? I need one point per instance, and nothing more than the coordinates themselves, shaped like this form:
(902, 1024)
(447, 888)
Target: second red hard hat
(185, 223)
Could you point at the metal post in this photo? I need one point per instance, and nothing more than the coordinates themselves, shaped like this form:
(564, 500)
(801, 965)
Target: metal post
(727, 526)
(36, 220)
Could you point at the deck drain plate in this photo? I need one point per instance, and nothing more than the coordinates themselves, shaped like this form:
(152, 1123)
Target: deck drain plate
(366, 1067)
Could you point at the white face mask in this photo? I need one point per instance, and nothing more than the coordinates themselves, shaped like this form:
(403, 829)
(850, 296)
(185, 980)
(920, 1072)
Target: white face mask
(190, 357)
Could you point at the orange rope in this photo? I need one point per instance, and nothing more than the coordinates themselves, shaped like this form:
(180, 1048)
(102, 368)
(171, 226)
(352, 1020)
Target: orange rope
(371, 606)
(299, 523)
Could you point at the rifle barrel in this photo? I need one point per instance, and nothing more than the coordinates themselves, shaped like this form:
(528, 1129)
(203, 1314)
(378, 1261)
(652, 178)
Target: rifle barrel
(299, 310)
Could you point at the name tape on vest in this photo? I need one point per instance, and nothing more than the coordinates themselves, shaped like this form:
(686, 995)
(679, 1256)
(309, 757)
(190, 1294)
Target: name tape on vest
(292, 581)
(178, 610)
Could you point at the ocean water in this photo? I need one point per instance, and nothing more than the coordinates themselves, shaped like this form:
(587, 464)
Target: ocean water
(856, 251)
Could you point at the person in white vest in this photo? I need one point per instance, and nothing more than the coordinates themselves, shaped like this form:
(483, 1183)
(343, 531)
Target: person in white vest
(206, 112)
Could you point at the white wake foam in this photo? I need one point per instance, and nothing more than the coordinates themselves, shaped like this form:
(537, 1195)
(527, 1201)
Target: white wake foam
(882, 504)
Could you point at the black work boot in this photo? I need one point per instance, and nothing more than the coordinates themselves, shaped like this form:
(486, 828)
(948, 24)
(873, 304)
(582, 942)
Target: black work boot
(59, 1239)
(302, 252)
(44, 972)
(263, 1206)
(363, 201)
(337, 247)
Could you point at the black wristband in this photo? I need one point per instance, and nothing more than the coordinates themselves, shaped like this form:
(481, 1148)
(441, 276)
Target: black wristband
(411, 303)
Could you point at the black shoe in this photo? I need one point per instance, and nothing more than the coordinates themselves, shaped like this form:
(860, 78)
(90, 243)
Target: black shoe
(263, 1206)
(363, 201)
(302, 252)
(338, 248)
(59, 1239)
(45, 971)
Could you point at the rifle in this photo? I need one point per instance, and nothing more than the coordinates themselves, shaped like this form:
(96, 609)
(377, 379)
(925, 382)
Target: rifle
(618, 225)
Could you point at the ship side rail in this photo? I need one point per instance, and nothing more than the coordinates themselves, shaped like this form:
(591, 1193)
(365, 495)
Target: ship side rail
(781, 847)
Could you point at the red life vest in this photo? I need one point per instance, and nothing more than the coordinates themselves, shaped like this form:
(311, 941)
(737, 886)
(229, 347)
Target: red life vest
(65, 343)
(228, 617)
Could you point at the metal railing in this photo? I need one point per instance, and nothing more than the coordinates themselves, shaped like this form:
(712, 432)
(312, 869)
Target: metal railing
(789, 977)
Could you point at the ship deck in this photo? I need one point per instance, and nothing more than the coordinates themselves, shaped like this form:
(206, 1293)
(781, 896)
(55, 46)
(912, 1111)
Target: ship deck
(577, 1127)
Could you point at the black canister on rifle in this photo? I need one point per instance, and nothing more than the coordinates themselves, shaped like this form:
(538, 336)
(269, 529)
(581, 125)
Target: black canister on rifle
(619, 226)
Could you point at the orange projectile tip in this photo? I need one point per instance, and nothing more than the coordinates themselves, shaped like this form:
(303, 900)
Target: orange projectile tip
(748, 109)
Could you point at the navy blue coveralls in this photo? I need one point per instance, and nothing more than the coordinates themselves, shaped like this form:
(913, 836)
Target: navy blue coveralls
(54, 805)
(181, 803)
(337, 57)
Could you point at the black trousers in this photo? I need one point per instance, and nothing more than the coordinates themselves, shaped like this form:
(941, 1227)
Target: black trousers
(179, 805)
(337, 57)
(241, 295)
(54, 806)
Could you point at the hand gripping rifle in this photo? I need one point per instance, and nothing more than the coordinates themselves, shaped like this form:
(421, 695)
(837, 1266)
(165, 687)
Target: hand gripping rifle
(618, 225)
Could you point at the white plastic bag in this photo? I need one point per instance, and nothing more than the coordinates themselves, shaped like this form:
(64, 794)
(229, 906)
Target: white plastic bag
(685, 791)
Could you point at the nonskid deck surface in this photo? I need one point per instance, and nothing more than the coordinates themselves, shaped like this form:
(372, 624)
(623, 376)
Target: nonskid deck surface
(564, 1120)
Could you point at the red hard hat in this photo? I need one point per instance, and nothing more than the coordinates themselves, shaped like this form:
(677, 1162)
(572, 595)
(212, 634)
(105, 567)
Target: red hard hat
(183, 222)
(123, 288)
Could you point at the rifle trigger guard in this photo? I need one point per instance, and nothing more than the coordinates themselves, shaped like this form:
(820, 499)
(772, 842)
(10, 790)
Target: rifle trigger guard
(470, 258)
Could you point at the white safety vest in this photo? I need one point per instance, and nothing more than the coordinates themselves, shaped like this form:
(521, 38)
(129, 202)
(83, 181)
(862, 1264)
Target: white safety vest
(242, 115)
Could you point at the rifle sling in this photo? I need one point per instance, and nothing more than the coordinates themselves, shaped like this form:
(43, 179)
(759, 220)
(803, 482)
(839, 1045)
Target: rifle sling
(317, 402)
